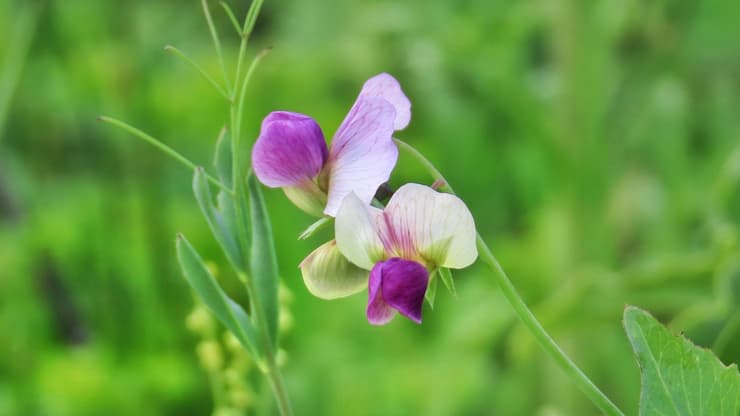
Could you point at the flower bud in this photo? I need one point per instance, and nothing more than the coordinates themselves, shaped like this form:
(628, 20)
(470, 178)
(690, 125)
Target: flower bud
(210, 355)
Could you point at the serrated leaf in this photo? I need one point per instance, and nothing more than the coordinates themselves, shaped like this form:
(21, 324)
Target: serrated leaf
(221, 225)
(446, 275)
(263, 260)
(223, 159)
(431, 292)
(679, 378)
(228, 312)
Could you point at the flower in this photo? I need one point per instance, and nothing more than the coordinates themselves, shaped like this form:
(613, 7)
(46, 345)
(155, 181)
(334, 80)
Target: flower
(291, 152)
(418, 231)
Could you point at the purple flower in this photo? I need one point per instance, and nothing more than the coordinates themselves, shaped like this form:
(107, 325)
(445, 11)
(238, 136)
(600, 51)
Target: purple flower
(291, 152)
(419, 231)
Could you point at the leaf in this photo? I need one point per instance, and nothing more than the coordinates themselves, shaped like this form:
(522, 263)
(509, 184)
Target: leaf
(315, 227)
(223, 159)
(228, 312)
(446, 276)
(221, 226)
(679, 378)
(431, 292)
(263, 260)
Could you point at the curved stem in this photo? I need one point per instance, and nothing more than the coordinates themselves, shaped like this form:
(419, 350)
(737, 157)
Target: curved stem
(521, 309)
(161, 146)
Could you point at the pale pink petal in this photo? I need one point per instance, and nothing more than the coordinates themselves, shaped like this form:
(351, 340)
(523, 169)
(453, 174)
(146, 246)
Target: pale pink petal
(385, 86)
(355, 232)
(436, 226)
(362, 153)
(289, 150)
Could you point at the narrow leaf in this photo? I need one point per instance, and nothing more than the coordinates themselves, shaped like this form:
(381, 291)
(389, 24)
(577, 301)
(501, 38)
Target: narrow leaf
(263, 260)
(446, 276)
(222, 229)
(315, 227)
(222, 158)
(679, 378)
(228, 312)
(431, 292)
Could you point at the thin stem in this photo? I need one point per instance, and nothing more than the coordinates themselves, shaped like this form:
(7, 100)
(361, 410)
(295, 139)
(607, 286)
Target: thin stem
(216, 41)
(242, 95)
(251, 17)
(525, 315)
(161, 146)
(180, 54)
(231, 17)
(271, 369)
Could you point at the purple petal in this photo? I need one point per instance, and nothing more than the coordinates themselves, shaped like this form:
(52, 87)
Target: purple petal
(396, 284)
(386, 87)
(378, 311)
(289, 150)
(362, 153)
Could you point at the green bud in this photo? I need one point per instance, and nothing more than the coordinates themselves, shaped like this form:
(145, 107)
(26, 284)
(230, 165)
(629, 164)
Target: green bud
(210, 355)
(200, 320)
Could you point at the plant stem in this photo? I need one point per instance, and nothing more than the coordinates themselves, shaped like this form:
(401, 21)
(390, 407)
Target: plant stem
(521, 309)
(216, 41)
(180, 54)
(271, 369)
(161, 146)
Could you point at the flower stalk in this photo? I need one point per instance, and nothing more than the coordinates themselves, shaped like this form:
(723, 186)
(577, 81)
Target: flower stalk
(525, 315)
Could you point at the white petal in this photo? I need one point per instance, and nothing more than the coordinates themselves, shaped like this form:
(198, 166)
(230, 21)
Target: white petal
(436, 225)
(362, 154)
(329, 275)
(356, 234)
(385, 86)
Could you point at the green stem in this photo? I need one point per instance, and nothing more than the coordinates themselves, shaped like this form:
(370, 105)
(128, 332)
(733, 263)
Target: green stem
(161, 146)
(271, 369)
(520, 307)
(216, 41)
(232, 18)
(180, 54)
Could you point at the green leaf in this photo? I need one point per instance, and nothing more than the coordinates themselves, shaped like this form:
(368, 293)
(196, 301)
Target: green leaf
(223, 159)
(679, 378)
(431, 292)
(263, 260)
(221, 225)
(315, 227)
(228, 312)
(446, 276)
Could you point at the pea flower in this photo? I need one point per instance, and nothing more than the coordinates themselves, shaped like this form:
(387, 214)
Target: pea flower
(291, 152)
(418, 231)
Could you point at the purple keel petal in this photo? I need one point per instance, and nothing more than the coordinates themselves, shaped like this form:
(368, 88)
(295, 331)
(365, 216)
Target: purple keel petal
(396, 284)
(386, 87)
(378, 311)
(362, 154)
(289, 150)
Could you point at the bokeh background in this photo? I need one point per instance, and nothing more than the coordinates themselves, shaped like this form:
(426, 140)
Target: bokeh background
(595, 141)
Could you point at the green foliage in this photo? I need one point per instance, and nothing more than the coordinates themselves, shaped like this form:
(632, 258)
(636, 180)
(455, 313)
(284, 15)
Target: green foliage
(222, 159)
(263, 260)
(228, 312)
(596, 143)
(220, 220)
(679, 378)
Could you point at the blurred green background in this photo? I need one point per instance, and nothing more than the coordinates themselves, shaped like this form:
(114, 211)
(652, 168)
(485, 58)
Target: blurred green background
(597, 143)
